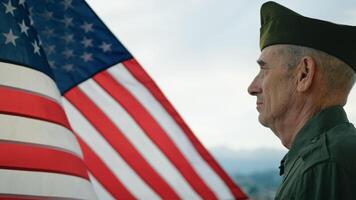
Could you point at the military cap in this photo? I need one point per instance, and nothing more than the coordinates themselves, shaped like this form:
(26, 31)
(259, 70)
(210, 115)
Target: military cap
(280, 25)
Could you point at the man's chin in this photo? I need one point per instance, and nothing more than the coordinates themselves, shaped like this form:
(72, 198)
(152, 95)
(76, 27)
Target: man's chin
(262, 121)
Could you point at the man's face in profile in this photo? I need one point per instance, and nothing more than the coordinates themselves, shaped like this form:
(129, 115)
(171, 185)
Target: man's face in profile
(272, 86)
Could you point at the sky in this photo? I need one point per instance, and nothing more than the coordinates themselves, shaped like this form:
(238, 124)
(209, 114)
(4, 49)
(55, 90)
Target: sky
(202, 54)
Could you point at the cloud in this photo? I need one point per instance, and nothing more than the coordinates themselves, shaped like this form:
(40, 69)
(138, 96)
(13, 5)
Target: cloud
(202, 55)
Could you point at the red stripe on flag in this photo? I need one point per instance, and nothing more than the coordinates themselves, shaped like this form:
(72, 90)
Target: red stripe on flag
(120, 143)
(103, 174)
(22, 103)
(139, 73)
(18, 198)
(10, 197)
(21, 156)
(154, 131)
(27, 197)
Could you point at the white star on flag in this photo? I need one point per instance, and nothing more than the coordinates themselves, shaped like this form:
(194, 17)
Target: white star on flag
(87, 27)
(52, 64)
(48, 15)
(36, 48)
(10, 38)
(105, 47)
(50, 49)
(9, 8)
(67, 4)
(67, 21)
(87, 42)
(22, 2)
(68, 53)
(48, 32)
(23, 27)
(87, 57)
(68, 38)
(31, 20)
(68, 67)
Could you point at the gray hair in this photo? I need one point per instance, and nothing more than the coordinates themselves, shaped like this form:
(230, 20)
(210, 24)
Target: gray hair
(338, 75)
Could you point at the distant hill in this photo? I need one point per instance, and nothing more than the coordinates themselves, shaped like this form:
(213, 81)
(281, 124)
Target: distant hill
(259, 185)
(255, 171)
(248, 161)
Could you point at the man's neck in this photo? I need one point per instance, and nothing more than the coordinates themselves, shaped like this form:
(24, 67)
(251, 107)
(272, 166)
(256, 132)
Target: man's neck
(294, 120)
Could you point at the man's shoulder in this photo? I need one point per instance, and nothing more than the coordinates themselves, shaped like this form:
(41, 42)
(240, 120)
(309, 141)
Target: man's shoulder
(341, 144)
(337, 145)
(326, 168)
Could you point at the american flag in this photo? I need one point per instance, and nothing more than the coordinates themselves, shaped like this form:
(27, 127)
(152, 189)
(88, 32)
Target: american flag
(133, 143)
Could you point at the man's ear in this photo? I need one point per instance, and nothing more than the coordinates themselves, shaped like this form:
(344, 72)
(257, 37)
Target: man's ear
(305, 73)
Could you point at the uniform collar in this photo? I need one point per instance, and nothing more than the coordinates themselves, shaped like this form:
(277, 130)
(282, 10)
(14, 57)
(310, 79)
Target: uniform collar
(313, 128)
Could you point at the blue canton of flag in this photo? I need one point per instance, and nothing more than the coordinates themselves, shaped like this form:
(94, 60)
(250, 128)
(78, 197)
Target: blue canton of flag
(76, 42)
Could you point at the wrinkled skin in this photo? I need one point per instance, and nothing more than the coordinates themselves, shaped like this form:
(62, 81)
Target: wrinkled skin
(273, 86)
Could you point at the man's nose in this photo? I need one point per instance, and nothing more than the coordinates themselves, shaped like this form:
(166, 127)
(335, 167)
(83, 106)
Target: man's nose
(254, 87)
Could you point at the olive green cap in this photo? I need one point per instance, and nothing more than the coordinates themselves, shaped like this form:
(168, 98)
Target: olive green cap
(280, 25)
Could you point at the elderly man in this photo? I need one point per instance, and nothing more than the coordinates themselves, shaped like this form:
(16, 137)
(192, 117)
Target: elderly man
(307, 69)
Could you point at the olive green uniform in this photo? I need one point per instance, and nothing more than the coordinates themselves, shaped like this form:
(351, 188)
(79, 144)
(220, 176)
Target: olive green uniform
(321, 163)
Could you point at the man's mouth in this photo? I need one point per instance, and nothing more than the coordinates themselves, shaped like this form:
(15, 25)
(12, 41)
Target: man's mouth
(258, 106)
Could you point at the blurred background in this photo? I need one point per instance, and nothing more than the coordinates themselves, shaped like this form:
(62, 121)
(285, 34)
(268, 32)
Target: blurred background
(202, 54)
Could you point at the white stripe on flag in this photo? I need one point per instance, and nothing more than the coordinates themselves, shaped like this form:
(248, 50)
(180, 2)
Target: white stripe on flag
(100, 190)
(124, 77)
(21, 129)
(17, 182)
(109, 156)
(28, 79)
(16, 128)
(139, 139)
